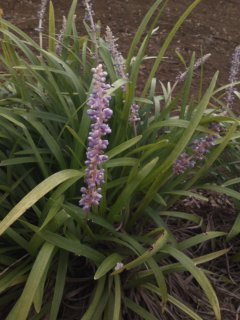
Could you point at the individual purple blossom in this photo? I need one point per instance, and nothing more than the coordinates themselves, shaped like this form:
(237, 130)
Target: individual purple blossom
(99, 113)
(233, 76)
(117, 57)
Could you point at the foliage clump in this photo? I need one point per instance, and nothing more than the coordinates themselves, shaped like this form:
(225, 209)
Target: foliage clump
(116, 253)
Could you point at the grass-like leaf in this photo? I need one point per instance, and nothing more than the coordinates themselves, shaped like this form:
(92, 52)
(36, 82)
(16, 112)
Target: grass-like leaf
(107, 265)
(36, 194)
(199, 275)
(22, 308)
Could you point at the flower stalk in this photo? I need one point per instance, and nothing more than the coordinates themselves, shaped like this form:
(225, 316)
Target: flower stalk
(59, 45)
(199, 149)
(41, 15)
(89, 13)
(233, 76)
(134, 117)
(182, 76)
(117, 57)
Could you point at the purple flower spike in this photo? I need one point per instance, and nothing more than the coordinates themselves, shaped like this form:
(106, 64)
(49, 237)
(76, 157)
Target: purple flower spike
(59, 45)
(202, 146)
(183, 163)
(233, 77)
(117, 57)
(42, 11)
(134, 115)
(216, 127)
(99, 113)
(89, 13)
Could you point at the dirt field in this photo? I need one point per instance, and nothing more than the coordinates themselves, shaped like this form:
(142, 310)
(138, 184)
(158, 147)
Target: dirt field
(212, 28)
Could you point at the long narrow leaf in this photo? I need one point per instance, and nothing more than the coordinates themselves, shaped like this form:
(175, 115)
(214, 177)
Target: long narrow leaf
(36, 194)
(22, 308)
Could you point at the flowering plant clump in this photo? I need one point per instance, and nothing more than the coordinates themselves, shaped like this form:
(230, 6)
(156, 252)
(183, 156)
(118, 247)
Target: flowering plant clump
(120, 249)
(99, 113)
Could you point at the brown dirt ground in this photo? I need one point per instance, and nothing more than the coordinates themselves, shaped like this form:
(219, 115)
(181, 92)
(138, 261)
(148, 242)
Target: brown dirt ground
(212, 28)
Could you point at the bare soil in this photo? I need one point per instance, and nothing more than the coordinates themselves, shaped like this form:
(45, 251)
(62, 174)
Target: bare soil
(212, 28)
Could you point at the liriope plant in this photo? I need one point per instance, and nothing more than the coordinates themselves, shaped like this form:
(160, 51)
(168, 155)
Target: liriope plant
(90, 171)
